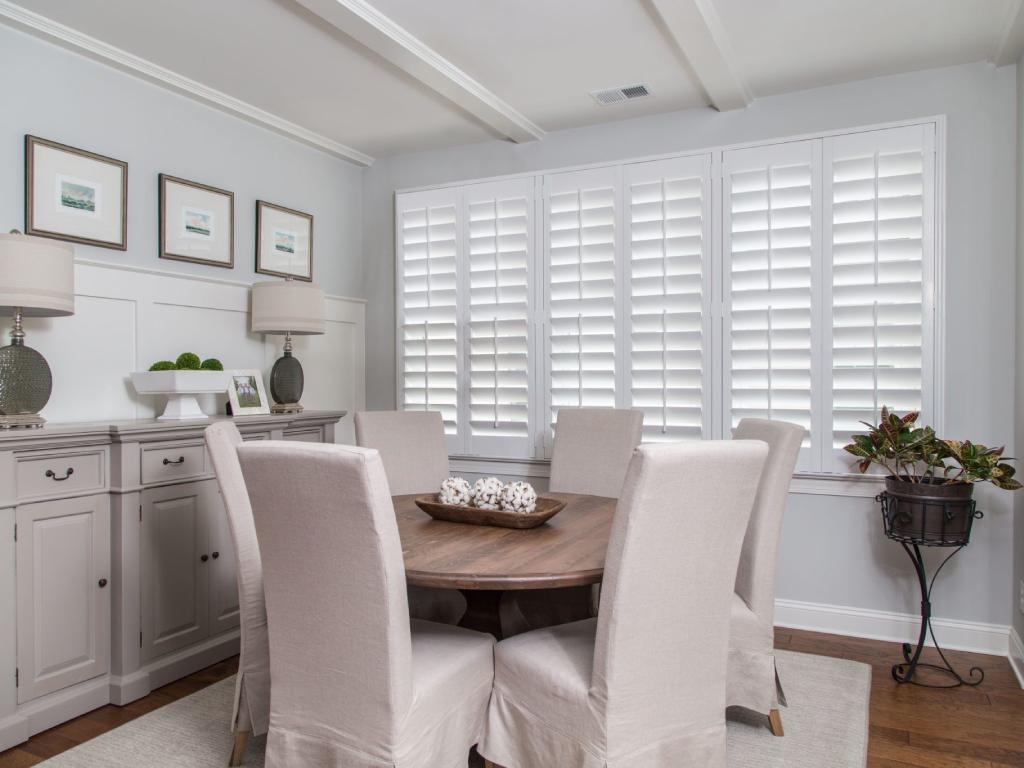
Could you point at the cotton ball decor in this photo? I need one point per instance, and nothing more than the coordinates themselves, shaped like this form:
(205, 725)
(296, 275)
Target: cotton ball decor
(487, 493)
(519, 498)
(455, 490)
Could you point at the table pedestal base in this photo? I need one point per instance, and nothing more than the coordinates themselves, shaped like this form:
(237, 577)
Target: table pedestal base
(483, 611)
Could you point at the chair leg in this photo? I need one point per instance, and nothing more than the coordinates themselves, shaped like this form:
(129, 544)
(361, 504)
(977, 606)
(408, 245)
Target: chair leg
(775, 723)
(241, 737)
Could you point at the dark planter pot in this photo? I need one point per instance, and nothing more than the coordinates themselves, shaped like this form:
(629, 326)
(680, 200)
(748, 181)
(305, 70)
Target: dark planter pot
(928, 512)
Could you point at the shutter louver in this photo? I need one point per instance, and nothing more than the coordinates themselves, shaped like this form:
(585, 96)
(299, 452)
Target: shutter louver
(880, 245)
(428, 238)
(581, 246)
(499, 266)
(772, 244)
(668, 309)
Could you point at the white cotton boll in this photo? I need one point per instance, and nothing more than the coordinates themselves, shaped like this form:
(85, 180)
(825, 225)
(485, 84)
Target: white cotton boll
(519, 498)
(487, 492)
(455, 490)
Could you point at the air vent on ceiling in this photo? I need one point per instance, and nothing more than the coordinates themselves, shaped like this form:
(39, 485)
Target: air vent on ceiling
(617, 95)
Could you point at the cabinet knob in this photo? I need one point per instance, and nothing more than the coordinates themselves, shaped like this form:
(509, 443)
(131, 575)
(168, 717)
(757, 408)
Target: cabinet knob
(67, 473)
(103, 583)
(204, 558)
(179, 460)
(216, 555)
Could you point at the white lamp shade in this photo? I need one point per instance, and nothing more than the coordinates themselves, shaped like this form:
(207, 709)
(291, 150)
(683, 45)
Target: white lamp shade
(289, 306)
(37, 275)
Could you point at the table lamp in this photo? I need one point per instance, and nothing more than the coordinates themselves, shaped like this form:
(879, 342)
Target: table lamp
(37, 279)
(288, 307)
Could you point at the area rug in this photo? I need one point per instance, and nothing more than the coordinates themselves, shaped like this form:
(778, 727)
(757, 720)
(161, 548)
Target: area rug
(826, 726)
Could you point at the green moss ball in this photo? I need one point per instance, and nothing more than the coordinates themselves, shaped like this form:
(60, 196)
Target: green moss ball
(163, 365)
(188, 361)
(212, 364)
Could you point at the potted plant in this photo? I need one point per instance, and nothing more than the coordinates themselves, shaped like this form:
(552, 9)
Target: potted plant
(929, 488)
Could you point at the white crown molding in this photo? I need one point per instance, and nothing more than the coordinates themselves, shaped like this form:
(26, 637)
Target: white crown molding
(361, 21)
(1009, 45)
(41, 26)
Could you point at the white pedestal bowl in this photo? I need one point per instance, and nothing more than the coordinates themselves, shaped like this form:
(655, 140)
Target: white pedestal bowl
(181, 388)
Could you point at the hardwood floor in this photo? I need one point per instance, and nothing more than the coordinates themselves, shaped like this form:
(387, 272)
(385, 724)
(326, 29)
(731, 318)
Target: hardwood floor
(911, 727)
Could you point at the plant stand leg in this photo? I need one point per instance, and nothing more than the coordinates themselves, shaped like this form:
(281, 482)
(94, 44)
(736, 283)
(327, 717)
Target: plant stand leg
(904, 671)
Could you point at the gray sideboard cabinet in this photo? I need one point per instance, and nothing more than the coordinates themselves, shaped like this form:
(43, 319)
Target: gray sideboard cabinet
(117, 572)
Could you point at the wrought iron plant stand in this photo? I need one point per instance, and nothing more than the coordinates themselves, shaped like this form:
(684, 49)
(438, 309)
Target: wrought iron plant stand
(917, 516)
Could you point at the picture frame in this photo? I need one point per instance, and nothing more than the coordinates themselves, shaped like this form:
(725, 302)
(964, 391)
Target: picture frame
(197, 222)
(75, 195)
(246, 393)
(284, 242)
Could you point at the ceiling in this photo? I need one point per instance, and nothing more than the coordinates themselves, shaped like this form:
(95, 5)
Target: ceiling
(369, 78)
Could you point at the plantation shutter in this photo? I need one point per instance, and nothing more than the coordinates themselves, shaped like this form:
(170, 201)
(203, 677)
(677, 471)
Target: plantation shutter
(771, 249)
(668, 223)
(879, 254)
(499, 270)
(427, 239)
(581, 242)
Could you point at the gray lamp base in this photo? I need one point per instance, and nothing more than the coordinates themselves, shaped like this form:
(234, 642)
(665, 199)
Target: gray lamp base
(22, 421)
(286, 408)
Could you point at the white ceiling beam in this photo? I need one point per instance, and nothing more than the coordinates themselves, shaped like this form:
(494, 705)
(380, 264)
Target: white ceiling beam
(364, 23)
(699, 36)
(41, 26)
(1010, 43)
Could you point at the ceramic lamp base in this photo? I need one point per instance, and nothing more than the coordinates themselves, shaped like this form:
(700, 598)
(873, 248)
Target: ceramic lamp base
(182, 408)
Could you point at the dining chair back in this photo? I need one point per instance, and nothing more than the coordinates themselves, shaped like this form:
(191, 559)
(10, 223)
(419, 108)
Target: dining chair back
(753, 682)
(411, 445)
(412, 448)
(252, 684)
(592, 449)
(341, 644)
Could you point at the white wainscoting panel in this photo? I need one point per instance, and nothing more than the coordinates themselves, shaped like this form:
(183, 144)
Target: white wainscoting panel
(126, 318)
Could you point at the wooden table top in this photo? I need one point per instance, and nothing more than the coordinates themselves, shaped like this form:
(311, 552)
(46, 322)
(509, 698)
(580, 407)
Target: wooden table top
(567, 551)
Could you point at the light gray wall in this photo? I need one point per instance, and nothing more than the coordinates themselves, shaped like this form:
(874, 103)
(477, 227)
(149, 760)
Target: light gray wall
(1018, 530)
(832, 549)
(53, 93)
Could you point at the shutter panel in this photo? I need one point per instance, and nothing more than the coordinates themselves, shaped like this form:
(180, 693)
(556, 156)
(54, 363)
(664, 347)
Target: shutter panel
(668, 306)
(581, 241)
(499, 270)
(427, 237)
(771, 251)
(880, 252)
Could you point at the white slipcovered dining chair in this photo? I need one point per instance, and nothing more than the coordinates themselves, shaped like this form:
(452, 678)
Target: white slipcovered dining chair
(753, 681)
(411, 446)
(252, 684)
(644, 683)
(591, 453)
(355, 682)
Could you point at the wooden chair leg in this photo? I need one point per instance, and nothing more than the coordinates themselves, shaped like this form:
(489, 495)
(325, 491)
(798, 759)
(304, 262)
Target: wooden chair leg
(775, 723)
(238, 750)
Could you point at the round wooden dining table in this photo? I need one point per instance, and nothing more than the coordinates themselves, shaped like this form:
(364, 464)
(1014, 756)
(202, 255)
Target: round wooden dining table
(483, 562)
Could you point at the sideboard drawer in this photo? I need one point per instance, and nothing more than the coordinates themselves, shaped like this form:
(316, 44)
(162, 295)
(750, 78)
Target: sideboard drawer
(61, 474)
(160, 465)
(305, 435)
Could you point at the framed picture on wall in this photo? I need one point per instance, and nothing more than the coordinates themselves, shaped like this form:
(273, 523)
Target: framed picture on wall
(74, 195)
(197, 222)
(246, 393)
(284, 242)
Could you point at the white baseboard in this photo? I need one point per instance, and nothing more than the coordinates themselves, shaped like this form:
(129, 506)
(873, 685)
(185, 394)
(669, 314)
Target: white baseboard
(1017, 655)
(952, 634)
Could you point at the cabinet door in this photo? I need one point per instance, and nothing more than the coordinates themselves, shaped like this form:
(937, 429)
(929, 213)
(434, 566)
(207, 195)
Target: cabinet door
(63, 554)
(223, 577)
(175, 578)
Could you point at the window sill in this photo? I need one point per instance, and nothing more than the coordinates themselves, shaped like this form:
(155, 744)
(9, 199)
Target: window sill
(804, 483)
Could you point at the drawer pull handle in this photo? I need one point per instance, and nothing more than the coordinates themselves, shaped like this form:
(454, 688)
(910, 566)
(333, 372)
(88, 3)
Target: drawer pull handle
(179, 460)
(103, 583)
(216, 555)
(204, 558)
(68, 473)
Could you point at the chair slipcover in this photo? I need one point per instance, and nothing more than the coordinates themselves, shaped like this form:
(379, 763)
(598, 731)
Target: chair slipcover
(752, 679)
(252, 684)
(591, 454)
(644, 683)
(356, 683)
(411, 445)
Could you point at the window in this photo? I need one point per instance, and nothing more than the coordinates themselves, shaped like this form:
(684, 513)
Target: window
(790, 281)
